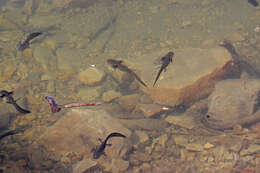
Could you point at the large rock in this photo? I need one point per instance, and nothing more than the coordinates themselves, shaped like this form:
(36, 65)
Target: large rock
(78, 132)
(233, 102)
(191, 76)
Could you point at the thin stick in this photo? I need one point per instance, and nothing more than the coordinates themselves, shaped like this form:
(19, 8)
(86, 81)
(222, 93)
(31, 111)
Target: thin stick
(71, 105)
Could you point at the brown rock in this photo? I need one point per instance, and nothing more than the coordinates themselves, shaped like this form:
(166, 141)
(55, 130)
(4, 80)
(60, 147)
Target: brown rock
(184, 121)
(128, 102)
(69, 133)
(191, 76)
(148, 110)
(110, 95)
(145, 124)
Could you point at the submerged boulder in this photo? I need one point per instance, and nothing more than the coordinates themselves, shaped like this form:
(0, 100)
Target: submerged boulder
(190, 77)
(233, 102)
(78, 132)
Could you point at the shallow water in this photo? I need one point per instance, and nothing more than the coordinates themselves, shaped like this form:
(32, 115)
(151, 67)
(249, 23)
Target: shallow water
(69, 62)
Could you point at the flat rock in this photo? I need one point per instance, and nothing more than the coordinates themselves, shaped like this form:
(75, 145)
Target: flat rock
(191, 76)
(149, 110)
(78, 132)
(184, 121)
(145, 124)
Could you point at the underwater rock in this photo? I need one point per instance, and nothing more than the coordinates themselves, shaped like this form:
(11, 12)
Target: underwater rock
(145, 124)
(190, 77)
(233, 102)
(91, 76)
(110, 95)
(184, 121)
(78, 132)
(128, 102)
(149, 110)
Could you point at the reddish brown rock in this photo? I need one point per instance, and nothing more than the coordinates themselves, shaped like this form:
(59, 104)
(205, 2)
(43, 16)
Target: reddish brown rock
(190, 77)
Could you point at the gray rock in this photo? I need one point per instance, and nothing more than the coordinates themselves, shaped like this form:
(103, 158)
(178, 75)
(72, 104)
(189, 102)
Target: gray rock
(234, 102)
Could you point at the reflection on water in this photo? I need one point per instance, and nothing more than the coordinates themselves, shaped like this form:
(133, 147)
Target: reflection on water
(190, 121)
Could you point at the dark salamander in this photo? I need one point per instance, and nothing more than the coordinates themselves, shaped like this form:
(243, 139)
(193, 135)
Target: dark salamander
(54, 106)
(8, 133)
(10, 100)
(99, 150)
(253, 2)
(166, 60)
(118, 64)
(23, 45)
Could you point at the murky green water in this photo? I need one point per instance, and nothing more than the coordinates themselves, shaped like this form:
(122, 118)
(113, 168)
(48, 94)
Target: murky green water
(162, 124)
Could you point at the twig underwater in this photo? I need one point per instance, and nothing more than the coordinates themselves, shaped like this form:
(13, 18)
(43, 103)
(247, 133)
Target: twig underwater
(57, 108)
